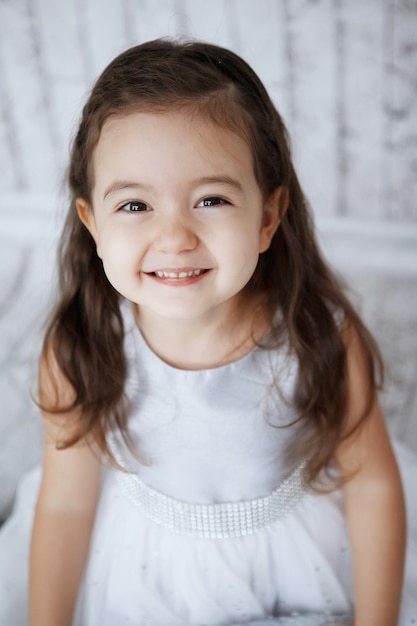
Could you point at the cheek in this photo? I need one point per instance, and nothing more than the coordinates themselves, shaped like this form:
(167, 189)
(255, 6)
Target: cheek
(241, 253)
(118, 251)
(119, 266)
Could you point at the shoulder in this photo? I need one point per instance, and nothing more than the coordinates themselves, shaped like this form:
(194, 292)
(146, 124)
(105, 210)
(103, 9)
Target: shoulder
(57, 397)
(53, 383)
(362, 361)
(71, 464)
(366, 442)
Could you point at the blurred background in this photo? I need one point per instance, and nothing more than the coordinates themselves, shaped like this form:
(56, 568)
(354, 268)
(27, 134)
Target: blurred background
(343, 73)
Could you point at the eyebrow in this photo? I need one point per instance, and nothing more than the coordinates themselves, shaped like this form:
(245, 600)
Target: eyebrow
(119, 185)
(218, 180)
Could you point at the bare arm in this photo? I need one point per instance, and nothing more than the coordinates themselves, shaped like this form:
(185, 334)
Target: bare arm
(63, 519)
(374, 504)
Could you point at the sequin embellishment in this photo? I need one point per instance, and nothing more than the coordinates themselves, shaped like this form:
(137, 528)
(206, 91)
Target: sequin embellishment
(216, 521)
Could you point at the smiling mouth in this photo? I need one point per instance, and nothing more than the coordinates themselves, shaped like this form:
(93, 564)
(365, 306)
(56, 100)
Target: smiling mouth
(190, 274)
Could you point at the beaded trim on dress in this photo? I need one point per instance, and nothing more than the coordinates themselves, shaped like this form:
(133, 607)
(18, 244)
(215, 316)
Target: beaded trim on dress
(216, 521)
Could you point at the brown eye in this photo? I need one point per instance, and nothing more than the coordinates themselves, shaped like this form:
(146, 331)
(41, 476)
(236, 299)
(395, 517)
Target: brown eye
(212, 201)
(134, 207)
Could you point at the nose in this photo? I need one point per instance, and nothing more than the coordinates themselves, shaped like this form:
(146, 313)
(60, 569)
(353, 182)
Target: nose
(175, 234)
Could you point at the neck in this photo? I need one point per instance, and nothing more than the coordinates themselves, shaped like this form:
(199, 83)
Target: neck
(204, 344)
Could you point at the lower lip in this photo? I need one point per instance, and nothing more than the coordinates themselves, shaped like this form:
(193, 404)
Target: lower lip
(179, 282)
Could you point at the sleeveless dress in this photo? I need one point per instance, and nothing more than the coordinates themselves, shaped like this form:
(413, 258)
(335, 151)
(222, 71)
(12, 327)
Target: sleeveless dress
(215, 526)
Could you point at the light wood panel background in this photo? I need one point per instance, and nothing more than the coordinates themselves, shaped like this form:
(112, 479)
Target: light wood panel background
(344, 75)
(342, 72)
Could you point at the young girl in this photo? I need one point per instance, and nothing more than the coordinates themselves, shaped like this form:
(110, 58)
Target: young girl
(209, 394)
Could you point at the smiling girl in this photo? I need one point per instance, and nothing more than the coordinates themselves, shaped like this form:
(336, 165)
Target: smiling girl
(179, 222)
(214, 448)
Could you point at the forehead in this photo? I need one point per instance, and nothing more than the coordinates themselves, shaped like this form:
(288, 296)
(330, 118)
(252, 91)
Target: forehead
(145, 141)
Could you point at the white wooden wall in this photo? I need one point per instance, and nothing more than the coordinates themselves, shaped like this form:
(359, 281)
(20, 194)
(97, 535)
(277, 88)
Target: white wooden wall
(343, 73)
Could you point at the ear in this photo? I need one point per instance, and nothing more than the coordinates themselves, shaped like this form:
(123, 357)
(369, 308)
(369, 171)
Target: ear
(86, 215)
(274, 209)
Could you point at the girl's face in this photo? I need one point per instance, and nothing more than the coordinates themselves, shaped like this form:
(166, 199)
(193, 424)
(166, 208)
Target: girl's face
(177, 215)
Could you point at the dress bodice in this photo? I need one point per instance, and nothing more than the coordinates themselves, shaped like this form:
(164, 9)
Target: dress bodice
(211, 435)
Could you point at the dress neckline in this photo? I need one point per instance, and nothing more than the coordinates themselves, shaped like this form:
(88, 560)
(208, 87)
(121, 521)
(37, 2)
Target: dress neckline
(132, 327)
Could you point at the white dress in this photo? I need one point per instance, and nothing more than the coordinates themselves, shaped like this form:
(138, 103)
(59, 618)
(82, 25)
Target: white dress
(161, 554)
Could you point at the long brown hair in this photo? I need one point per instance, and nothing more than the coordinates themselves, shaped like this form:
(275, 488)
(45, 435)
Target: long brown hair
(86, 329)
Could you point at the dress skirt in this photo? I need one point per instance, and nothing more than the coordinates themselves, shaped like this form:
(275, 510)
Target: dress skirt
(141, 573)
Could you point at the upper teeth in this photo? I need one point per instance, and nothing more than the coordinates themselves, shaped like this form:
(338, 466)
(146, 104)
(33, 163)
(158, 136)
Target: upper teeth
(177, 274)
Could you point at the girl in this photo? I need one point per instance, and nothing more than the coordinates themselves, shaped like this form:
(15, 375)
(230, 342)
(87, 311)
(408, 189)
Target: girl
(209, 394)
